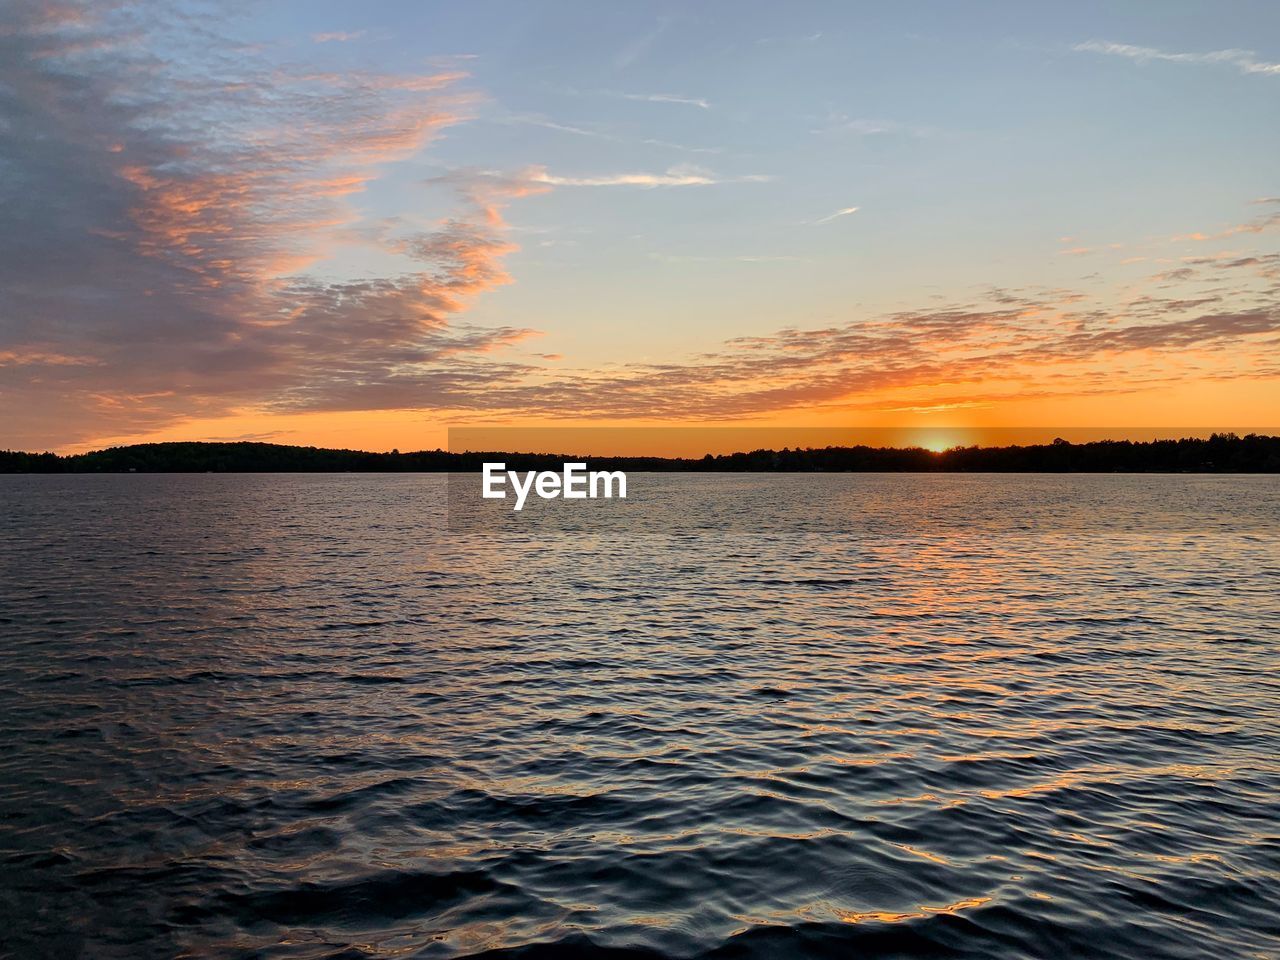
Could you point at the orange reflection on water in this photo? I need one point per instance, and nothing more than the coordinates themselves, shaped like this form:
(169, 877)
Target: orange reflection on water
(1061, 782)
(922, 798)
(872, 759)
(923, 854)
(920, 913)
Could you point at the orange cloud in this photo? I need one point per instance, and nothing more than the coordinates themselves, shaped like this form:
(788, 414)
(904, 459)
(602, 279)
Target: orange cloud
(185, 202)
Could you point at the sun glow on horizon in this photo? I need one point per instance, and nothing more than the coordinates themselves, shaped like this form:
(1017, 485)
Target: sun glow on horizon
(323, 266)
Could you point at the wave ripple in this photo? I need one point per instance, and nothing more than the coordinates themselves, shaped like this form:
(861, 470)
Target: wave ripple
(294, 716)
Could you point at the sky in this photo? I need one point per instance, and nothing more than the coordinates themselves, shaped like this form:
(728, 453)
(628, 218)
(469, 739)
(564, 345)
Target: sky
(361, 224)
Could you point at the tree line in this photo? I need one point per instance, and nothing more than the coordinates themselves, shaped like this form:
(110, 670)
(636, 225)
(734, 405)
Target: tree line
(1219, 453)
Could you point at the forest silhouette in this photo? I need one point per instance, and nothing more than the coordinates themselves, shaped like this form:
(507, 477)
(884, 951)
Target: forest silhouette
(1219, 453)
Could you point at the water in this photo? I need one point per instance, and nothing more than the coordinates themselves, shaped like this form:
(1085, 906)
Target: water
(757, 716)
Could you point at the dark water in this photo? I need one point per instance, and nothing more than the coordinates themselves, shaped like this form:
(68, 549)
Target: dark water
(761, 716)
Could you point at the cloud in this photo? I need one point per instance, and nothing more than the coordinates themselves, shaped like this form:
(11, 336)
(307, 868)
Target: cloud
(537, 120)
(835, 123)
(577, 130)
(1259, 224)
(1246, 61)
(741, 258)
(1014, 346)
(673, 177)
(260, 437)
(640, 45)
(842, 212)
(337, 37)
(41, 358)
(667, 98)
(162, 211)
(170, 201)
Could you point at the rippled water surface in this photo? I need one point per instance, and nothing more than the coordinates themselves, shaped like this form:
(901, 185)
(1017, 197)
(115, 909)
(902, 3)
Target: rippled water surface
(745, 716)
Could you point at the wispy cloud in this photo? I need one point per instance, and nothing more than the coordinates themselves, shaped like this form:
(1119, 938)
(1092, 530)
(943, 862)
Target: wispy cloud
(673, 177)
(1260, 224)
(639, 46)
(594, 133)
(1029, 345)
(842, 212)
(836, 123)
(741, 258)
(667, 98)
(538, 120)
(1246, 61)
(653, 142)
(337, 37)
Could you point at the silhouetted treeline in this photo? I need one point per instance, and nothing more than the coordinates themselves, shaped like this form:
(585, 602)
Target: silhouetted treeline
(1220, 453)
(249, 457)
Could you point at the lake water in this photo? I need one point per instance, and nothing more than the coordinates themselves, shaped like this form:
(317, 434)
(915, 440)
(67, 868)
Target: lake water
(735, 716)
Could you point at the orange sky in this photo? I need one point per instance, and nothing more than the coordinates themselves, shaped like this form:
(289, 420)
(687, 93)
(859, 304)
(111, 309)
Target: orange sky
(411, 234)
(1147, 416)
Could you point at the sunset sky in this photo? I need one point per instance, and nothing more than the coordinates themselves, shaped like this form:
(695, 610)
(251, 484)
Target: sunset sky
(358, 224)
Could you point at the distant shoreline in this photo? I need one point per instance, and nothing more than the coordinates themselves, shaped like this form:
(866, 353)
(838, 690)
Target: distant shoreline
(1219, 453)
